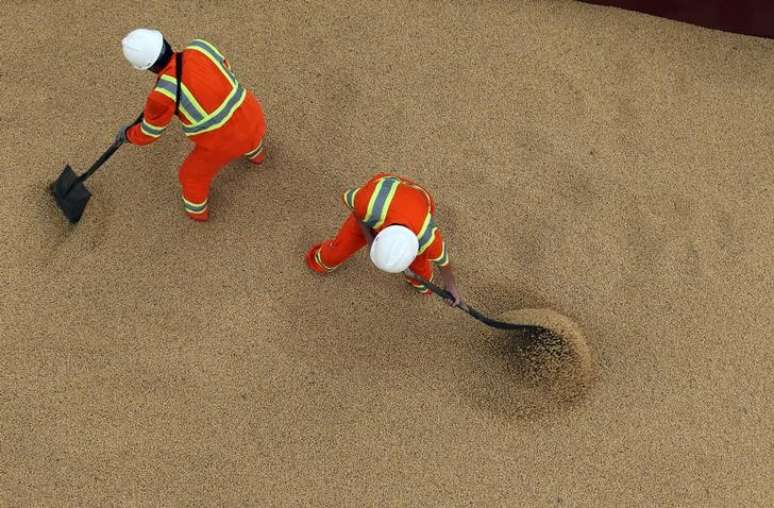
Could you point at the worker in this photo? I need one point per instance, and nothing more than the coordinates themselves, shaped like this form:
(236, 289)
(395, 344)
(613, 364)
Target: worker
(394, 217)
(222, 118)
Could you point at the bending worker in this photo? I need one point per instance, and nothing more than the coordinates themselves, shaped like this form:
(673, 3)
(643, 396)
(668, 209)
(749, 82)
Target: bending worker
(394, 216)
(222, 118)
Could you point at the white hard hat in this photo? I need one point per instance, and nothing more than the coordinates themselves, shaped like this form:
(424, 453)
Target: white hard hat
(394, 249)
(142, 47)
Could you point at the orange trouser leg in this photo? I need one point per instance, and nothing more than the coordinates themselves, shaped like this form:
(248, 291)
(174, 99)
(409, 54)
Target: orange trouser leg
(422, 267)
(258, 154)
(328, 255)
(195, 175)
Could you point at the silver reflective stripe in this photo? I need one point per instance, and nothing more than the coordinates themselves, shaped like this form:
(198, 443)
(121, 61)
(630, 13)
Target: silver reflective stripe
(210, 51)
(185, 102)
(256, 151)
(151, 130)
(222, 116)
(349, 197)
(427, 235)
(385, 188)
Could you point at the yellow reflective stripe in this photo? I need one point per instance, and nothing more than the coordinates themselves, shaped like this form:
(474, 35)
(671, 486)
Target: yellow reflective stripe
(349, 197)
(219, 64)
(154, 127)
(426, 234)
(372, 201)
(255, 151)
(443, 259)
(192, 130)
(380, 201)
(164, 91)
(194, 204)
(200, 120)
(151, 130)
(425, 225)
(196, 208)
(418, 285)
(188, 100)
(222, 68)
(318, 258)
(210, 46)
(427, 196)
(148, 133)
(386, 206)
(423, 248)
(183, 109)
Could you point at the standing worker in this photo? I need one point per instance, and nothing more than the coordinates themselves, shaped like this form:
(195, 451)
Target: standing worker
(222, 118)
(394, 216)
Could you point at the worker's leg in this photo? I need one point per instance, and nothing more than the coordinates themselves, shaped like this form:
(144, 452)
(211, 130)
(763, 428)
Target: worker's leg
(325, 257)
(258, 154)
(422, 267)
(195, 175)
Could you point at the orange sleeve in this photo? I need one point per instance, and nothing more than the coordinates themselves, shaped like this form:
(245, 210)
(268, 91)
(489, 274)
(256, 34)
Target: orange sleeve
(158, 113)
(357, 199)
(437, 251)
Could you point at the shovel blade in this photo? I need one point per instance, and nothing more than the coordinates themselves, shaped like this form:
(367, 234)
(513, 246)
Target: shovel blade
(71, 199)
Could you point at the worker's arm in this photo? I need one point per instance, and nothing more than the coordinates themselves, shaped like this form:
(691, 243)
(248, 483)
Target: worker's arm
(367, 234)
(158, 113)
(450, 285)
(440, 258)
(349, 200)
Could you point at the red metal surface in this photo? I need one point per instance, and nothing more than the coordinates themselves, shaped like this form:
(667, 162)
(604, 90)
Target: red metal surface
(751, 17)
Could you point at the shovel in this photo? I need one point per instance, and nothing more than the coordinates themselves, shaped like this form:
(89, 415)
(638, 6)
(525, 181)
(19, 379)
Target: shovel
(501, 325)
(69, 191)
(549, 329)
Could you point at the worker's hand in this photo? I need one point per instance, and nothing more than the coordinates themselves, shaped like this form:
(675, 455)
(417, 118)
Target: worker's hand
(121, 134)
(457, 299)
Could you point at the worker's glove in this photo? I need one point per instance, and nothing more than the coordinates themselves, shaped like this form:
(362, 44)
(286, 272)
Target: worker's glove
(121, 134)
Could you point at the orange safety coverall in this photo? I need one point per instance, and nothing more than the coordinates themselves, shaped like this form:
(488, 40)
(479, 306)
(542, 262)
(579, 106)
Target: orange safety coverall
(385, 200)
(223, 119)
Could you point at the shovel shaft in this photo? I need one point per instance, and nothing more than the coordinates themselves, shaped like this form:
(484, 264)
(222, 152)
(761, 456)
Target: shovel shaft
(102, 159)
(99, 162)
(470, 310)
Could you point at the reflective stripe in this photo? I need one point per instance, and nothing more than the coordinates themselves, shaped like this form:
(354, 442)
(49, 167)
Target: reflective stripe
(380, 201)
(255, 151)
(214, 55)
(220, 116)
(189, 106)
(200, 121)
(427, 233)
(194, 207)
(204, 45)
(443, 259)
(319, 261)
(349, 197)
(223, 113)
(151, 130)
(424, 247)
(418, 285)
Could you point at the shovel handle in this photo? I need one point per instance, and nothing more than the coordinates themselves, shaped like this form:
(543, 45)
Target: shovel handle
(437, 289)
(468, 309)
(99, 162)
(102, 159)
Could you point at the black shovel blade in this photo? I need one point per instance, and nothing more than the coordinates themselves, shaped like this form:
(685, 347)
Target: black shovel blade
(71, 199)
